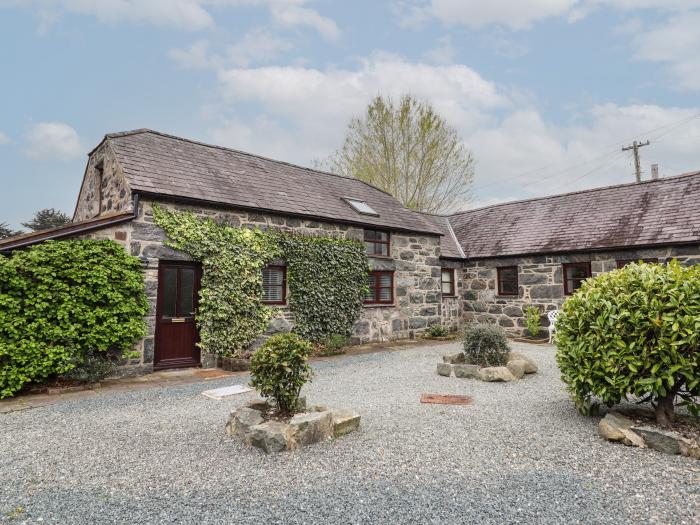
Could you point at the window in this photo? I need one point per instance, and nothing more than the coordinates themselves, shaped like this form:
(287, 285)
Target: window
(361, 206)
(574, 275)
(381, 288)
(507, 280)
(274, 285)
(377, 243)
(448, 281)
(624, 262)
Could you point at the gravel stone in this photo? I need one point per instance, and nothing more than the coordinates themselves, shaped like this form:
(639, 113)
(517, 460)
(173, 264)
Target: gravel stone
(520, 453)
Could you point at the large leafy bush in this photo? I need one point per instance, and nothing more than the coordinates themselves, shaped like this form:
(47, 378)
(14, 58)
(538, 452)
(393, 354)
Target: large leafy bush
(485, 345)
(63, 301)
(633, 332)
(279, 369)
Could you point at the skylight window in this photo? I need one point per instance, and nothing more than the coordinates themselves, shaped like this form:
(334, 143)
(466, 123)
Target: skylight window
(361, 206)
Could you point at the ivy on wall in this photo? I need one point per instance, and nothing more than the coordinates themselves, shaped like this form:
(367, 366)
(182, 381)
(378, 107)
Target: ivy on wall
(326, 275)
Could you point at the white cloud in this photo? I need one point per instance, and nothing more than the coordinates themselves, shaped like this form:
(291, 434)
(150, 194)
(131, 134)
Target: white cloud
(442, 53)
(293, 13)
(4, 139)
(195, 57)
(53, 140)
(256, 46)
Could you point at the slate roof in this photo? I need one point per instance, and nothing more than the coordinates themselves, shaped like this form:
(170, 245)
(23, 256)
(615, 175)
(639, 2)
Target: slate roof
(665, 211)
(166, 165)
(449, 247)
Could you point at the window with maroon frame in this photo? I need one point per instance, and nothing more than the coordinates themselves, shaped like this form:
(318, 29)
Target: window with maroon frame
(624, 262)
(574, 275)
(377, 243)
(381, 287)
(507, 280)
(274, 285)
(448, 281)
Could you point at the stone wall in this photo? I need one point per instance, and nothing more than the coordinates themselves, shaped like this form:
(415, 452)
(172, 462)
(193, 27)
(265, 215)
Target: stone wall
(111, 189)
(540, 280)
(453, 307)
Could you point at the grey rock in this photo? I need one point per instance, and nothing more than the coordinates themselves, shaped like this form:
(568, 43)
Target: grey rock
(517, 368)
(260, 404)
(279, 325)
(272, 436)
(661, 440)
(496, 373)
(616, 427)
(241, 420)
(530, 366)
(344, 422)
(444, 369)
(453, 358)
(310, 427)
(464, 371)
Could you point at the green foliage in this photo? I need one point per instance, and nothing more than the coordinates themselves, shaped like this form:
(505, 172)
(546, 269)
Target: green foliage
(62, 300)
(231, 313)
(91, 368)
(633, 331)
(485, 345)
(47, 218)
(326, 278)
(327, 283)
(532, 320)
(437, 330)
(409, 151)
(334, 344)
(279, 369)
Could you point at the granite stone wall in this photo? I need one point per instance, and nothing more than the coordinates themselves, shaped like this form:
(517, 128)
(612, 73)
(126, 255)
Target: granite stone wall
(111, 188)
(540, 280)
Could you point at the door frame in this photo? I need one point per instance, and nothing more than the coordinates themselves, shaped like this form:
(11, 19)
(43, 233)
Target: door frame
(196, 359)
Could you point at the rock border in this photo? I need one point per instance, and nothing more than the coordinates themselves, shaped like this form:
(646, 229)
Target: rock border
(618, 427)
(517, 367)
(309, 426)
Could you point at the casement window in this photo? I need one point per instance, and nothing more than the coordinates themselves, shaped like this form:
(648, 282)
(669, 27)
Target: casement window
(448, 282)
(624, 262)
(381, 287)
(507, 280)
(274, 285)
(377, 243)
(574, 275)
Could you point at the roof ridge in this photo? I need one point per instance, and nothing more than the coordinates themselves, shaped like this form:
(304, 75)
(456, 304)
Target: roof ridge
(241, 152)
(672, 178)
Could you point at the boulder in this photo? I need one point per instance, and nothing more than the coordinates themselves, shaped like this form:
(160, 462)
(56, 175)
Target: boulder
(454, 359)
(517, 367)
(344, 422)
(689, 448)
(466, 370)
(661, 440)
(496, 373)
(272, 436)
(530, 367)
(259, 404)
(616, 427)
(241, 420)
(444, 369)
(311, 427)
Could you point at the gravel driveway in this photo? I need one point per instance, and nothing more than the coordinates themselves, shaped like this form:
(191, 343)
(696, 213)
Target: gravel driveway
(520, 453)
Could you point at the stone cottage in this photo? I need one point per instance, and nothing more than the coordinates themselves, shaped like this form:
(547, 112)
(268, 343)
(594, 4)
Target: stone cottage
(485, 264)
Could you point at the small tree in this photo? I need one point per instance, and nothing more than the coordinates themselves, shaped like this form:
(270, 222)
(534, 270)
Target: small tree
(47, 218)
(279, 369)
(532, 320)
(485, 345)
(633, 332)
(409, 151)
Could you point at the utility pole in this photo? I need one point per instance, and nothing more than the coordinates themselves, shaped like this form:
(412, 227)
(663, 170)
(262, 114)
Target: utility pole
(635, 148)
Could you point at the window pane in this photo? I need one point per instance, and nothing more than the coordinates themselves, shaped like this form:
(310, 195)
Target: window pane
(509, 287)
(273, 285)
(576, 272)
(169, 291)
(508, 274)
(447, 288)
(371, 294)
(385, 294)
(382, 249)
(186, 295)
(385, 279)
(370, 235)
(382, 236)
(446, 276)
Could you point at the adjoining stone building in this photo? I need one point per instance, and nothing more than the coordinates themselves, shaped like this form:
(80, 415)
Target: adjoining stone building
(486, 264)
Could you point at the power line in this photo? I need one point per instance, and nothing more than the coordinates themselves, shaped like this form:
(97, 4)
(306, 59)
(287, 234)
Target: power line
(635, 150)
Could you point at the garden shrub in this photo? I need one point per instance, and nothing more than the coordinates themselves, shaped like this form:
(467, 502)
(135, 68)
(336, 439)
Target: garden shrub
(279, 369)
(334, 344)
(437, 330)
(633, 332)
(60, 301)
(532, 320)
(485, 345)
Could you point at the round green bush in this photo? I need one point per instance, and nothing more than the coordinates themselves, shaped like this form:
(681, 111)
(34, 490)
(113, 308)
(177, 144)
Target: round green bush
(633, 332)
(279, 369)
(485, 345)
(62, 301)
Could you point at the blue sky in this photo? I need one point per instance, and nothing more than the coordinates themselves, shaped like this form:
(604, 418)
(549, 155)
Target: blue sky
(544, 92)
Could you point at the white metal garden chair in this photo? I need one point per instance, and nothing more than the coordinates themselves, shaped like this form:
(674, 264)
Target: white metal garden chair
(552, 316)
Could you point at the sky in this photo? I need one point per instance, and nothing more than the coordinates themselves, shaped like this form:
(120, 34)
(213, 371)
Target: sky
(543, 92)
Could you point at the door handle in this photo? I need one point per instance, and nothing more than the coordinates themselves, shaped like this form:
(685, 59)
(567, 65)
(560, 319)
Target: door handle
(178, 320)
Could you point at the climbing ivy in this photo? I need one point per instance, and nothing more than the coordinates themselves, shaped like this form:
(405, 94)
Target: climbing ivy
(327, 283)
(326, 276)
(231, 313)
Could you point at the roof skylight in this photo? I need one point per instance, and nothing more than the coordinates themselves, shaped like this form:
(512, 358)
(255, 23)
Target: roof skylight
(361, 206)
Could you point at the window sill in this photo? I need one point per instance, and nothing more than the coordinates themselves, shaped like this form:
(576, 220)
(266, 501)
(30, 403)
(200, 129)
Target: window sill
(379, 305)
(275, 304)
(388, 257)
(444, 296)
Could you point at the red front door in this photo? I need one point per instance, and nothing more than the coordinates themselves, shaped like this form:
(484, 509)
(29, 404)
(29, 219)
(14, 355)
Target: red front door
(176, 332)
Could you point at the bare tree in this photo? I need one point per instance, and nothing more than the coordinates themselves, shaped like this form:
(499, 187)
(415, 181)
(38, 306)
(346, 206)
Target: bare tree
(407, 150)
